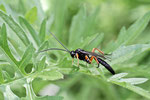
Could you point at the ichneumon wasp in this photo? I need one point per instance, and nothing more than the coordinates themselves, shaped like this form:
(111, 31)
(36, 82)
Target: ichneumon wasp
(86, 56)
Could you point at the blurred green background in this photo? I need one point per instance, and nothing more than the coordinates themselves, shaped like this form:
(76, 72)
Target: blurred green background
(67, 18)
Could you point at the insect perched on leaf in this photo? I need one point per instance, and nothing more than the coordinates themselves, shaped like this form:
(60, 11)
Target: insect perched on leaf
(86, 56)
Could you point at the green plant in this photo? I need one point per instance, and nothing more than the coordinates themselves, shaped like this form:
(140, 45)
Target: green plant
(21, 63)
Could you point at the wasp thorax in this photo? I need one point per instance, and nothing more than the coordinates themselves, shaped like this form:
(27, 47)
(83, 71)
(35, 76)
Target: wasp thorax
(72, 53)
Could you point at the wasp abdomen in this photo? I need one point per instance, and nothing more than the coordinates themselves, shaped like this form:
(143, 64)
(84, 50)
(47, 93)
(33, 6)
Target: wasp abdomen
(106, 65)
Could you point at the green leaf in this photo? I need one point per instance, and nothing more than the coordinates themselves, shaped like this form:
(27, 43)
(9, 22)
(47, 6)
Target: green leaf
(38, 55)
(31, 15)
(94, 41)
(51, 75)
(41, 64)
(2, 7)
(31, 30)
(43, 46)
(4, 47)
(21, 6)
(27, 56)
(121, 35)
(8, 94)
(60, 12)
(49, 98)
(15, 27)
(127, 36)
(42, 31)
(88, 40)
(126, 52)
(6, 76)
(118, 76)
(15, 47)
(133, 88)
(136, 28)
(77, 28)
(1, 77)
(129, 83)
(30, 95)
(90, 22)
(82, 26)
(134, 80)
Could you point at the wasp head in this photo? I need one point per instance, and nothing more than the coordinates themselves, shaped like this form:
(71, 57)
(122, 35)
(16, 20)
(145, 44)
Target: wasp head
(72, 53)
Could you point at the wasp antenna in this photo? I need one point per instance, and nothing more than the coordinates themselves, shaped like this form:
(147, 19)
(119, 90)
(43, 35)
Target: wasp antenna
(54, 49)
(59, 42)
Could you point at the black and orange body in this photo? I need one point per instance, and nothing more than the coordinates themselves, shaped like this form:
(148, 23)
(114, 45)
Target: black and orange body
(86, 56)
(79, 55)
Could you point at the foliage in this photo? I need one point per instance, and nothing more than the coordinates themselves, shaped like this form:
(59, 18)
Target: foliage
(24, 70)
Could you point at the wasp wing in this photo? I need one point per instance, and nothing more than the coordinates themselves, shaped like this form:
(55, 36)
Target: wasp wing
(104, 56)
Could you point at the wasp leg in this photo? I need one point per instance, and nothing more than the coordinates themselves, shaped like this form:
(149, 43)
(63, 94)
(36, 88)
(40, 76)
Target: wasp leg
(95, 60)
(98, 65)
(93, 50)
(77, 56)
(87, 59)
(72, 61)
